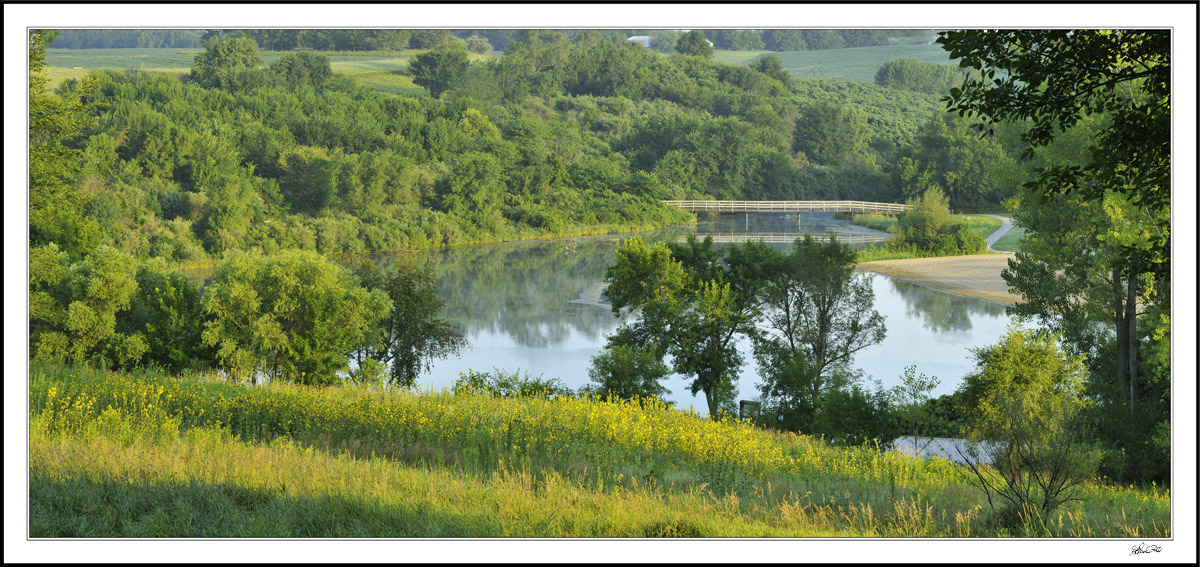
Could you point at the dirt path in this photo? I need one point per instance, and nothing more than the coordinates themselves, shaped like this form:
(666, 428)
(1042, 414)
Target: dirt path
(973, 276)
(1005, 226)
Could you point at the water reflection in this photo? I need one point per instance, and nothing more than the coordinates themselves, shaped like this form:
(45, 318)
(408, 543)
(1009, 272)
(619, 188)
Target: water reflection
(525, 290)
(943, 312)
(535, 306)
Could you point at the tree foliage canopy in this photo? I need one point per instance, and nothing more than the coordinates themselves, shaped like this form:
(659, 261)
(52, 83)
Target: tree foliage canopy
(1055, 78)
(292, 316)
(441, 68)
(694, 43)
(819, 315)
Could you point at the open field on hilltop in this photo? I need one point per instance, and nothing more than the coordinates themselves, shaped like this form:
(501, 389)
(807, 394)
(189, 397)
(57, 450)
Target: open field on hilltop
(146, 455)
(856, 63)
(61, 63)
(122, 58)
(384, 71)
(737, 57)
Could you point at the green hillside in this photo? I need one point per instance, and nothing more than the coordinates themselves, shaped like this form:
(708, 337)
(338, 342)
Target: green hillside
(147, 455)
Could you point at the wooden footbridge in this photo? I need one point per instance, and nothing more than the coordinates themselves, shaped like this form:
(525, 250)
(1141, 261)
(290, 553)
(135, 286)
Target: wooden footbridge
(789, 237)
(790, 207)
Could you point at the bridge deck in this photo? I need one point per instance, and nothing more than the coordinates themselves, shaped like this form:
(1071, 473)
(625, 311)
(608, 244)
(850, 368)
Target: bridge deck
(790, 207)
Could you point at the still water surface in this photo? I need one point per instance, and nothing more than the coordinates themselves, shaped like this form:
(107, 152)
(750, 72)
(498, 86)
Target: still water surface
(534, 306)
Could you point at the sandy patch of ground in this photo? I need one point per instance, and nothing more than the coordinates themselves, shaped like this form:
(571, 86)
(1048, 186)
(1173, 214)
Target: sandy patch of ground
(973, 276)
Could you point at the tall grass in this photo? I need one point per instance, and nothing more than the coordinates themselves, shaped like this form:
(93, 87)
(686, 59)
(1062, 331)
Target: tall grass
(145, 454)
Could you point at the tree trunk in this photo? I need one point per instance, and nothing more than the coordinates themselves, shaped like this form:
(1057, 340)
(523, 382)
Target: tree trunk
(1131, 338)
(1122, 336)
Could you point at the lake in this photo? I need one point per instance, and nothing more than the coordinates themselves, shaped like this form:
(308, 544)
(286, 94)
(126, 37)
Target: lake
(534, 306)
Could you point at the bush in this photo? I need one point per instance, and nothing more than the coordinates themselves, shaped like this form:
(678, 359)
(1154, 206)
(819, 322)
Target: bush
(503, 384)
(627, 372)
(928, 229)
(1023, 405)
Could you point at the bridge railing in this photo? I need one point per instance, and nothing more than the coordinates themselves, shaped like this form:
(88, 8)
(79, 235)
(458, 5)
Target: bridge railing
(790, 207)
(789, 237)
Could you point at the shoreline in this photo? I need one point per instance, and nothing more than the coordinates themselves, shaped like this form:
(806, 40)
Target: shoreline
(976, 276)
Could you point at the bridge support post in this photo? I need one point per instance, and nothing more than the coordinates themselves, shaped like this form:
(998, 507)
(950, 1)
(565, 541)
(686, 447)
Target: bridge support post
(799, 222)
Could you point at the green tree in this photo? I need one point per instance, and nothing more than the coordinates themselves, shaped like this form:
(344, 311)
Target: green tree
(1119, 80)
(973, 172)
(688, 309)
(393, 40)
(910, 402)
(819, 315)
(302, 68)
(831, 134)
(920, 76)
(293, 316)
(56, 120)
(928, 228)
(412, 335)
(1122, 74)
(627, 372)
(694, 43)
(665, 41)
(474, 187)
(1021, 405)
(441, 68)
(166, 311)
(476, 44)
(818, 39)
(227, 63)
(784, 40)
(533, 64)
(771, 66)
(308, 178)
(430, 39)
(1070, 276)
(74, 308)
(476, 124)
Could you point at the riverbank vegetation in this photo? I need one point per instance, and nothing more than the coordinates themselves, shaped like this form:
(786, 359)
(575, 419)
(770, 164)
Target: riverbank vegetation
(284, 173)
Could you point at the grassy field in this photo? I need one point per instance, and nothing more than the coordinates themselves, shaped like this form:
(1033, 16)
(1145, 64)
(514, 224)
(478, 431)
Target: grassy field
(147, 455)
(737, 57)
(385, 71)
(851, 63)
(65, 64)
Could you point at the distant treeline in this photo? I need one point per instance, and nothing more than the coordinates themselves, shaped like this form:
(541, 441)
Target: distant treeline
(498, 39)
(107, 39)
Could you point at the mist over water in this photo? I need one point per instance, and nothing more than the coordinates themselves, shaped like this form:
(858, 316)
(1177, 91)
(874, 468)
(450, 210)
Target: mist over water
(533, 306)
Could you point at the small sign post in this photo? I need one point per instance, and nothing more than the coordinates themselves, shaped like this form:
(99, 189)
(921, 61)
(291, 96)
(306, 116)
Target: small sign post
(748, 409)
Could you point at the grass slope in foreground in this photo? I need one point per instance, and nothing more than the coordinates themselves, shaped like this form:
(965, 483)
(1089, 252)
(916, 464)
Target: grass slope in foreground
(145, 455)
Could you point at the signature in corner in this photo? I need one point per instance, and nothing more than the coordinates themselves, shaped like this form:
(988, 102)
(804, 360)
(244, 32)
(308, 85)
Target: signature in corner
(1143, 548)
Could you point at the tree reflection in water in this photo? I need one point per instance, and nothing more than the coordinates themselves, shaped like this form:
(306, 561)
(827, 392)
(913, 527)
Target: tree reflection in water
(519, 305)
(528, 291)
(942, 312)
